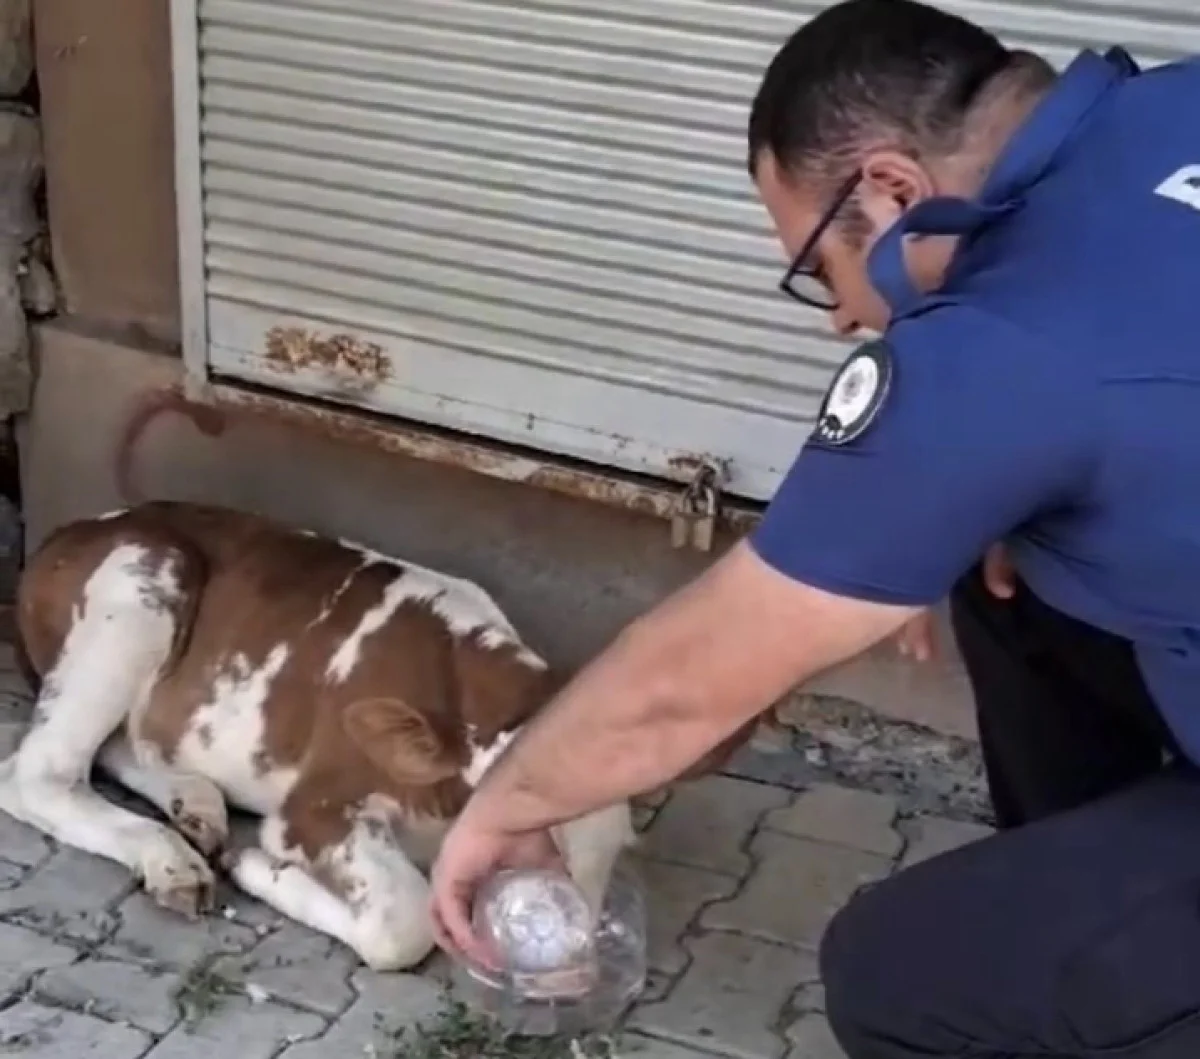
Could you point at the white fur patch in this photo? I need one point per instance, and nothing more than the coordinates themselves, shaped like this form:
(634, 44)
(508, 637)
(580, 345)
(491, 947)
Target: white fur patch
(119, 639)
(382, 911)
(484, 757)
(465, 607)
(420, 836)
(592, 846)
(291, 891)
(332, 602)
(120, 634)
(228, 731)
(346, 657)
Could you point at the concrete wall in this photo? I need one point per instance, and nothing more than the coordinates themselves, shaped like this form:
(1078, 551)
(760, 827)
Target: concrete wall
(570, 572)
(104, 71)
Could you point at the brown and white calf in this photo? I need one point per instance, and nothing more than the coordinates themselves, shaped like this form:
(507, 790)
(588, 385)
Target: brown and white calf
(202, 656)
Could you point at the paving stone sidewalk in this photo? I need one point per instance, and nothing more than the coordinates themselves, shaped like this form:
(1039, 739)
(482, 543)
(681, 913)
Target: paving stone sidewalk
(740, 875)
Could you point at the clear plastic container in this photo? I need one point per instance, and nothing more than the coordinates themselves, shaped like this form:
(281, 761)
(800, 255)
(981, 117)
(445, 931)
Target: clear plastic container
(559, 978)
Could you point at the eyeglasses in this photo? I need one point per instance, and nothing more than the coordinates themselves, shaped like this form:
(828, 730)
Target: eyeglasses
(804, 282)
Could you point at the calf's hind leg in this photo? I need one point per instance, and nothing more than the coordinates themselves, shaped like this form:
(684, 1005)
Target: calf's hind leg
(105, 670)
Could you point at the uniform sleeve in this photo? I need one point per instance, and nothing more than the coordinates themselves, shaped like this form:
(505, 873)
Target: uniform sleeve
(982, 429)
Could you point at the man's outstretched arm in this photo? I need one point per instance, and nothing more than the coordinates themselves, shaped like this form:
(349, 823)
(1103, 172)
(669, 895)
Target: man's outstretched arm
(671, 687)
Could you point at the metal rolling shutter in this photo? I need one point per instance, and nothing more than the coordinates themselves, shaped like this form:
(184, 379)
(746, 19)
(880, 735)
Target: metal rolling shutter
(525, 219)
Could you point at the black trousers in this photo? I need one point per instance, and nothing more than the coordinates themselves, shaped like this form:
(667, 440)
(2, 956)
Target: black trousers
(1075, 930)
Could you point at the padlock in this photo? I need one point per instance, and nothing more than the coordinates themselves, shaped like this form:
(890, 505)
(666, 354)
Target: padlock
(705, 523)
(682, 518)
(681, 529)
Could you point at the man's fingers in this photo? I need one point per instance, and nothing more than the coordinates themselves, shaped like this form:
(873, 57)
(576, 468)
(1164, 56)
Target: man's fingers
(998, 573)
(916, 640)
(453, 931)
(441, 935)
(466, 859)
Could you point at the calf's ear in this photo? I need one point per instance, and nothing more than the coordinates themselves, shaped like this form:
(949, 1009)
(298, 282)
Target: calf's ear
(399, 740)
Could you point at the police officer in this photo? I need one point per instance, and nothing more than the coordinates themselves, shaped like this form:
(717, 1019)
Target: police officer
(1026, 246)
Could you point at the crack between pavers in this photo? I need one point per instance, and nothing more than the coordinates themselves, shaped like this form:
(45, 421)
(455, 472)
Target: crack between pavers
(694, 930)
(357, 996)
(83, 950)
(681, 1042)
(794, 1011)
(87, 1010)
(759, 828)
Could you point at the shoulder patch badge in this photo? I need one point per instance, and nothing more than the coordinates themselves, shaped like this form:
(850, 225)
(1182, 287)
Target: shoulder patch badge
(856, 394)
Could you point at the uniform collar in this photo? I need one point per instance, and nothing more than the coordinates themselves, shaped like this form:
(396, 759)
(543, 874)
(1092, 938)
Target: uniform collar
(1025, 159)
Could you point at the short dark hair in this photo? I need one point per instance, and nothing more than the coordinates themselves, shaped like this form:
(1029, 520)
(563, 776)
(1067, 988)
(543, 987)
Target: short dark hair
(894, 69)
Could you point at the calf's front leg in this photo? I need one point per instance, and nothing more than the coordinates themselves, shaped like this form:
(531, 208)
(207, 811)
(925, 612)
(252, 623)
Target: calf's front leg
(591, 846)
(361, 889)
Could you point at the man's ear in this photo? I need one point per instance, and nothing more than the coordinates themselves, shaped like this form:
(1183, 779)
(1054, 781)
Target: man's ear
(892, 183)
(398, 740)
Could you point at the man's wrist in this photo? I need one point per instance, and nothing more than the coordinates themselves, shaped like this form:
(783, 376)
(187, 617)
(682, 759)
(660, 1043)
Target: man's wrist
(496, 808)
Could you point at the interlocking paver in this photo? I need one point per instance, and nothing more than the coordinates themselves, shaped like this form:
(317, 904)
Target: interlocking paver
(22, 844)
(386, 1005)
(639, 1046)
(11, 732)
(16, 698)
(933, 836)
(841, 817)
(706, 823)
(38, 1032)
(731, 997)
(11, 875)
(795, 890)
(241, 909)
(811, 1038)
(240, 1029)
(115, 992)
(810, 999)
(674, 896)
(69, 896)
(153, 936)
(24, 953)
(296, 965)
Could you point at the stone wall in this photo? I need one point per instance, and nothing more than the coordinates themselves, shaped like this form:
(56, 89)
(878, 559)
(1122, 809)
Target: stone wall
(104, 79)
(26, 283)
(27, 287)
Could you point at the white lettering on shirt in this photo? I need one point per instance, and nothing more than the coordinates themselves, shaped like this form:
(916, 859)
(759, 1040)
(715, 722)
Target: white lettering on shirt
(1183, 186)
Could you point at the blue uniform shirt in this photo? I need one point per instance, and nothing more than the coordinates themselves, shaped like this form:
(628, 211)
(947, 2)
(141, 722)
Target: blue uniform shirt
(1048, 394)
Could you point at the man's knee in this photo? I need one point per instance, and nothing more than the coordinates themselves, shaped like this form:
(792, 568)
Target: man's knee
(860, 962)
(839, 973)
(897, 984)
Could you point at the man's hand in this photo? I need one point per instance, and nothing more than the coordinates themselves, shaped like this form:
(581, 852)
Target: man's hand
(917, 641)
(471, 854)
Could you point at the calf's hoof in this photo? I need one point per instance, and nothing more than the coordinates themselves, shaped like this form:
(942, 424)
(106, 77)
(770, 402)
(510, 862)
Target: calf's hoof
(202, 821)
(178, 879)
